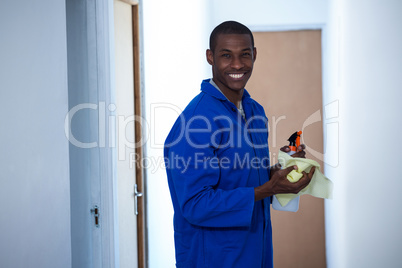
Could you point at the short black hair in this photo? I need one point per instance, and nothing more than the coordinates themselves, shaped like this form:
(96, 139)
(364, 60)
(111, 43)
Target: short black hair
(228, 27)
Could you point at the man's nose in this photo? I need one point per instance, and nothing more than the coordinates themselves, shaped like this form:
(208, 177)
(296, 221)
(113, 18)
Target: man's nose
(237, 63)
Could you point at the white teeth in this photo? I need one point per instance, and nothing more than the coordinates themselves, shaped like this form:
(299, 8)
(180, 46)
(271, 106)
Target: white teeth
(236, 76)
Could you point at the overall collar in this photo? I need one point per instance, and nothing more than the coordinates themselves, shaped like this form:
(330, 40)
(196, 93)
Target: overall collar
(211, 90)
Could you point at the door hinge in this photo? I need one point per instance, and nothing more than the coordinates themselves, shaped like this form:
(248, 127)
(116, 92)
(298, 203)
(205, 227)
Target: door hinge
(136, 195)
(95, 212)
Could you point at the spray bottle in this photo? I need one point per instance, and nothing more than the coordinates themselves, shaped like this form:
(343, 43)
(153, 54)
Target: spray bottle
(294, 142)
(293, 205)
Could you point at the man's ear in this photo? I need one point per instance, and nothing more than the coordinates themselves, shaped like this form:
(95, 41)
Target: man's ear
(255, 53)
(210, 57)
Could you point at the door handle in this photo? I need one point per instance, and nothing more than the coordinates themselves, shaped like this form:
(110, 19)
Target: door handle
(136, 195)
(95, 212)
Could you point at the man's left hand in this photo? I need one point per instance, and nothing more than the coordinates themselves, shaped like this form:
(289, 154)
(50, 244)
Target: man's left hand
(299, 153)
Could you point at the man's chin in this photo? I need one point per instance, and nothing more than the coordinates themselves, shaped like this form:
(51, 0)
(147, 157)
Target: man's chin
(237, 86)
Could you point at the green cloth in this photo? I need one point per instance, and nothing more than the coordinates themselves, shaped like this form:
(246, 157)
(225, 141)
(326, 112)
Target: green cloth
(320, 186)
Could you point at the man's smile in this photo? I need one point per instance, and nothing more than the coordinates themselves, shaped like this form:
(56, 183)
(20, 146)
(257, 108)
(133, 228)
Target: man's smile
(237, 76)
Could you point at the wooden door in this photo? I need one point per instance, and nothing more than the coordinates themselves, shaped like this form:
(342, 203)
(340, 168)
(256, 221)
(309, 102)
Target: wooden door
(287, 81)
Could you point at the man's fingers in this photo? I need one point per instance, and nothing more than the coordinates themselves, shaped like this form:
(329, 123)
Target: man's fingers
(301, 147)
(285, 149)
(287, 170)
(311, 173)
(304, 181)
(301, 154)
(308, 176)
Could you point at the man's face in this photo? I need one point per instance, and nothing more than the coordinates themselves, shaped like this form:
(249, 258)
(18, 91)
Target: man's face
(232, 62)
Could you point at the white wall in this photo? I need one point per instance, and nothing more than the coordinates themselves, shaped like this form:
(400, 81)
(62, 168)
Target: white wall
(174, 60)
(364, 74)
(34, 178)
(269, 14)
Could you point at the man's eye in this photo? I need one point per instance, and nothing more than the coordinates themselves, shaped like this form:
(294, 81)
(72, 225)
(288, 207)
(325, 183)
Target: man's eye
(226, 55)
(246, 54)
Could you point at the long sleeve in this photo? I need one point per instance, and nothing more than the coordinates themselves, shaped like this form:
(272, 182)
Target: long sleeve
(196, 175)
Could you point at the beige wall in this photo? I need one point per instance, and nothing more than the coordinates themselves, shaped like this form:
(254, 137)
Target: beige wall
(287, 82)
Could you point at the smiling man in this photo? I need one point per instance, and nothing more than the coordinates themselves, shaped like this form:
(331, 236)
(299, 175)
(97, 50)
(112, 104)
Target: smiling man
(222, 196)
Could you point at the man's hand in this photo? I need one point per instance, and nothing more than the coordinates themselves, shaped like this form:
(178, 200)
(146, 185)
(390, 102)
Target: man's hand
(299, 153)
(279, 184)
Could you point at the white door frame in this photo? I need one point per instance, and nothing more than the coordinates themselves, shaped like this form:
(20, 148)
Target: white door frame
(107, 153)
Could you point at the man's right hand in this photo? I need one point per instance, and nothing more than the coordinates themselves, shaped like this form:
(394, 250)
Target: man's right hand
(279, 184)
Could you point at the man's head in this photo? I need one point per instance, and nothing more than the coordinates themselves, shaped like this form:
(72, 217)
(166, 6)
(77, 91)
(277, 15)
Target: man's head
(231, 55)
(228, 27)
